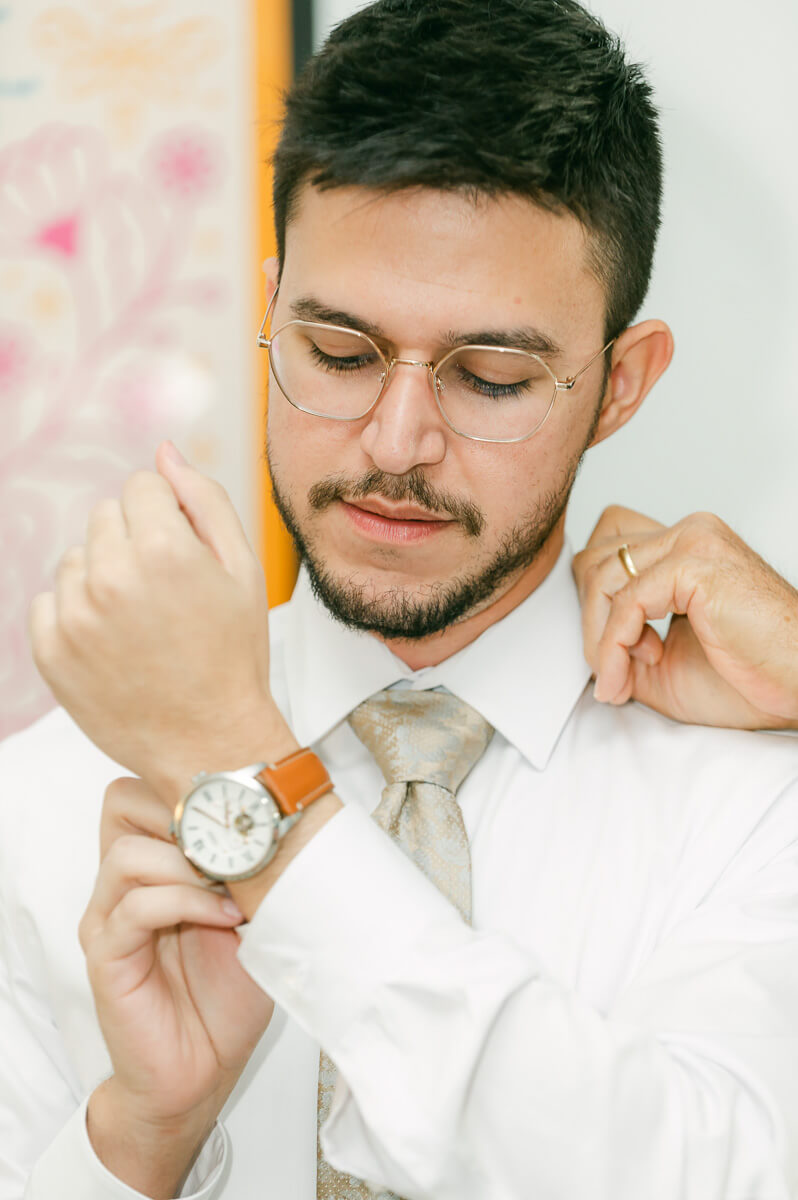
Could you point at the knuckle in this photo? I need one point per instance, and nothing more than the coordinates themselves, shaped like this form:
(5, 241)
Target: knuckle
(216, 489)
(708, 520)
(702, 534)
(132, 907)
(73, 557)
(116, 794)
(591, 577)
(624, 600)
(123, 857)
(107, 507)
(84, 934)
(157, 547)
(141, 479)
(107, 582)
(613, 520)
(88, 929)
(103, 513)
(41, 632)
(76, 622)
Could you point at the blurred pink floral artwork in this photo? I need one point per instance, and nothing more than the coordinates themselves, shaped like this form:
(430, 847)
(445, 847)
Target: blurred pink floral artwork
(137, 57)
(84, 398)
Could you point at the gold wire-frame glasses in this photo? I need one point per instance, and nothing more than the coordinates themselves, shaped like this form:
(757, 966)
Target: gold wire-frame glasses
(439, 387)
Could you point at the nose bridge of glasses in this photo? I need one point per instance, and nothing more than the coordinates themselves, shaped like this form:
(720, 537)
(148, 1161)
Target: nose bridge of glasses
(392, 362)
(410, 362)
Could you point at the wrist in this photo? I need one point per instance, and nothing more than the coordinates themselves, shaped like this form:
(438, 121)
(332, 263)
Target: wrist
(150, 1153)
(264, 736)
(248, 893)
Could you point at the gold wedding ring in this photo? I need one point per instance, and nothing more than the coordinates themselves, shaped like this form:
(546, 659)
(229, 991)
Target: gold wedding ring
(626, 558)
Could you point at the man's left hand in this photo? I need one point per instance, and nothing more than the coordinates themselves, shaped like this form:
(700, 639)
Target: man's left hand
(155, 638)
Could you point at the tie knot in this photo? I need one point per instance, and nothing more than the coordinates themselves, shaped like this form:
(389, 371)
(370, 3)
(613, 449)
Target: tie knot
(424, 736)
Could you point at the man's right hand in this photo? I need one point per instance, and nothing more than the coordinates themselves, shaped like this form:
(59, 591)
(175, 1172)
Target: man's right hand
(179, 1015)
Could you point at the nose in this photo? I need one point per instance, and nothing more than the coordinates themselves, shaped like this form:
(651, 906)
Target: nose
(405, 428)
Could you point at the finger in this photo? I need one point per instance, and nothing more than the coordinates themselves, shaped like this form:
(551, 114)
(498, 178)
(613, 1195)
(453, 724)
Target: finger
(645, 548)
(603, 575)
(208, 507)
(145, 910)
(106, 529)
(656, 593)
(70, 584)
(42, 629)
(134, 860)
(149, 506)
(132, 806)
(649, 649)
(619, 522)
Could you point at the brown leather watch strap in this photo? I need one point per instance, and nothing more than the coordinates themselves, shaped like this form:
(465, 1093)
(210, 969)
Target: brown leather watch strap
(296, 781)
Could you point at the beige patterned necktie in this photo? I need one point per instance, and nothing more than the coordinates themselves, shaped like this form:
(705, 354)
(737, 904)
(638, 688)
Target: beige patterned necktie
(425, 743)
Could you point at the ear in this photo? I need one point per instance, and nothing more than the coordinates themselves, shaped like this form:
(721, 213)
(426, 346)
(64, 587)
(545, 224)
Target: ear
(271, 269)
(640, 355)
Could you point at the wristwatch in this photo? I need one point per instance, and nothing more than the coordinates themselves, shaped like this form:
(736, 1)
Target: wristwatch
(231, 822)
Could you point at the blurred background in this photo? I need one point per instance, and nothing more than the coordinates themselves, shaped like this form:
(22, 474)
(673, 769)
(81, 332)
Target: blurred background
(135, 216)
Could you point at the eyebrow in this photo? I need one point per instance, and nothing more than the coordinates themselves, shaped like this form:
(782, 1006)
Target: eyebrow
(526, 337)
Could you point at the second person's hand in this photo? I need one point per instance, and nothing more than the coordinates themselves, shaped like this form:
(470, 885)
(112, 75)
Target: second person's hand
(730, 656)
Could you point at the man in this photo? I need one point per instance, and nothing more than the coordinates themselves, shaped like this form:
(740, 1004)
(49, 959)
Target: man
(578, 978)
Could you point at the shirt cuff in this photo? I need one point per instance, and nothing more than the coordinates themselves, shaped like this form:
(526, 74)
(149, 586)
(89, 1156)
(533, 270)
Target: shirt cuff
(328, 931)
(71, 1170)
(362, 950)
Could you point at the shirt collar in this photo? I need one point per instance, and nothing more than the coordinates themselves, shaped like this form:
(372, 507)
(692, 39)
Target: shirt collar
(524, 674)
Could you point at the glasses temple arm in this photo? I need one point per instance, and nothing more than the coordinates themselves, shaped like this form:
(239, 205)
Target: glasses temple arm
(263, 341)
(571, 380)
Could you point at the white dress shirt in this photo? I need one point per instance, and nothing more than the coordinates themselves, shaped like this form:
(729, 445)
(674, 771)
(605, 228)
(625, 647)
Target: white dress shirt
(620, 1023)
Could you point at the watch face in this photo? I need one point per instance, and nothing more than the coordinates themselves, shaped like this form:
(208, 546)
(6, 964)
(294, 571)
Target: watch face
(228, 830)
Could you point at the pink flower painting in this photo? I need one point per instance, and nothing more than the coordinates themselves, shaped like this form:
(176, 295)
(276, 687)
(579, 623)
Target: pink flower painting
(83, 398)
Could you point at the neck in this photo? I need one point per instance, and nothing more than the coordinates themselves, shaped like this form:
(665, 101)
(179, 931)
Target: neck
(428, 652)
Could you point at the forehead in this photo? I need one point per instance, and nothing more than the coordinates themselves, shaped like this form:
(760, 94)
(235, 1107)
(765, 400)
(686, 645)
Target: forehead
(422, 259)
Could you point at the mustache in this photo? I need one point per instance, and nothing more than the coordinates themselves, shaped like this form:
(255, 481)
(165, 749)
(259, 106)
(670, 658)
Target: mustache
(411, 487)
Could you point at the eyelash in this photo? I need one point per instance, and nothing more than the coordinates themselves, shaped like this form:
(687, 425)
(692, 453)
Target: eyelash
(495, 391)
(337, 364)
(344, 365)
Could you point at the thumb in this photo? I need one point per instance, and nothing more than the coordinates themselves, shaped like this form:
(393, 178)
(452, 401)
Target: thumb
(208, 509)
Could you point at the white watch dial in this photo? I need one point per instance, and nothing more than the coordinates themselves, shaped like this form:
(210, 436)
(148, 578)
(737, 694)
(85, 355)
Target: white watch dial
(228, 829)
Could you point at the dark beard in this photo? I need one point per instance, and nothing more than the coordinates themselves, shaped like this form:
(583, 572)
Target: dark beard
(398, 615)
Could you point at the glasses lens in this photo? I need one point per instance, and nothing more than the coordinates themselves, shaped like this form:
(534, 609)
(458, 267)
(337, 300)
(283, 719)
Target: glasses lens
(326, 371)
(498, 394)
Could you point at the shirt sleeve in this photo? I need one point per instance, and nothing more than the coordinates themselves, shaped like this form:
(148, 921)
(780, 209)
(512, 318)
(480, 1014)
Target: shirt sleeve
(465, 1071)
(70, 1170)
(45, 1150)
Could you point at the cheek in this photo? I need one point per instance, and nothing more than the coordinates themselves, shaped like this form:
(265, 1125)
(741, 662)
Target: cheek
(305, 449)
(507, 481)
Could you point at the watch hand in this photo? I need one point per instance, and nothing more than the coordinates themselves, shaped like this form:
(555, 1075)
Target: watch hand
(227, 814)
(210, 817)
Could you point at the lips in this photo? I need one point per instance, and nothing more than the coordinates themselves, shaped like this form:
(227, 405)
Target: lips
(396, 524)
(395, 512)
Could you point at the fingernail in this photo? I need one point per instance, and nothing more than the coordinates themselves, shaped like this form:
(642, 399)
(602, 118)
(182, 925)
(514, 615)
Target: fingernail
(596, 691)
(171, 451)
(232, 910)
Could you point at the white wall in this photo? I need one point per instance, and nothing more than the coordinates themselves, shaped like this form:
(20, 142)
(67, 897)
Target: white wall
(720, 431)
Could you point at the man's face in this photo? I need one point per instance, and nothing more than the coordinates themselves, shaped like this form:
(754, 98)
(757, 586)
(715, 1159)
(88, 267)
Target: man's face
(420, 265)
